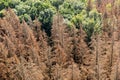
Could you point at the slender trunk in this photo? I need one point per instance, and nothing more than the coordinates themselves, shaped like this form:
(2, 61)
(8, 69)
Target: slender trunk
(97, 58)
(49, 62)
(111, 58)
(72, 71)
(117, 67)
(58, 71)
(73, 59)
(80, 42)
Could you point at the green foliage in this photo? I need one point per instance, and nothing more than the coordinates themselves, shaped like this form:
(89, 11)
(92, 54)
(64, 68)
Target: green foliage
(71, 8)
(90, 21)
(2, 13)
(26, 17)
(4, 4)
(43, 11)
(77, 19)
(76, 12)
(56, 3)
(22, 9)
(13, 3)
(23, 0)
(8, 3)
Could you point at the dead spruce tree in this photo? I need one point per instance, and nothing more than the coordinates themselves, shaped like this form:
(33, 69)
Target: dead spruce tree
(79, 44)
(61, 45)
(80, 54)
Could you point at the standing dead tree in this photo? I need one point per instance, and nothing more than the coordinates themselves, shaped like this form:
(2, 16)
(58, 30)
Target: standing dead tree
(95, 48)
(113, 41)
(78, 45)
(80, 52)
(61, 44)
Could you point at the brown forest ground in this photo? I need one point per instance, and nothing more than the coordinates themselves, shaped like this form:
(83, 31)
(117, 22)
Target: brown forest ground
(26, 55)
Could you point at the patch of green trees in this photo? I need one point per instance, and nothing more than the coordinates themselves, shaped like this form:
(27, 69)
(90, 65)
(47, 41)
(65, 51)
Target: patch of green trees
(75, 12)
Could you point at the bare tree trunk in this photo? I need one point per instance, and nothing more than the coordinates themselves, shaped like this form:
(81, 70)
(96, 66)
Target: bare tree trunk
(73, 60)
(72, 71)
(118, 59)
(111, 57)
(58, 71)
(117, 67)
(97, 57)
(49, 62)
